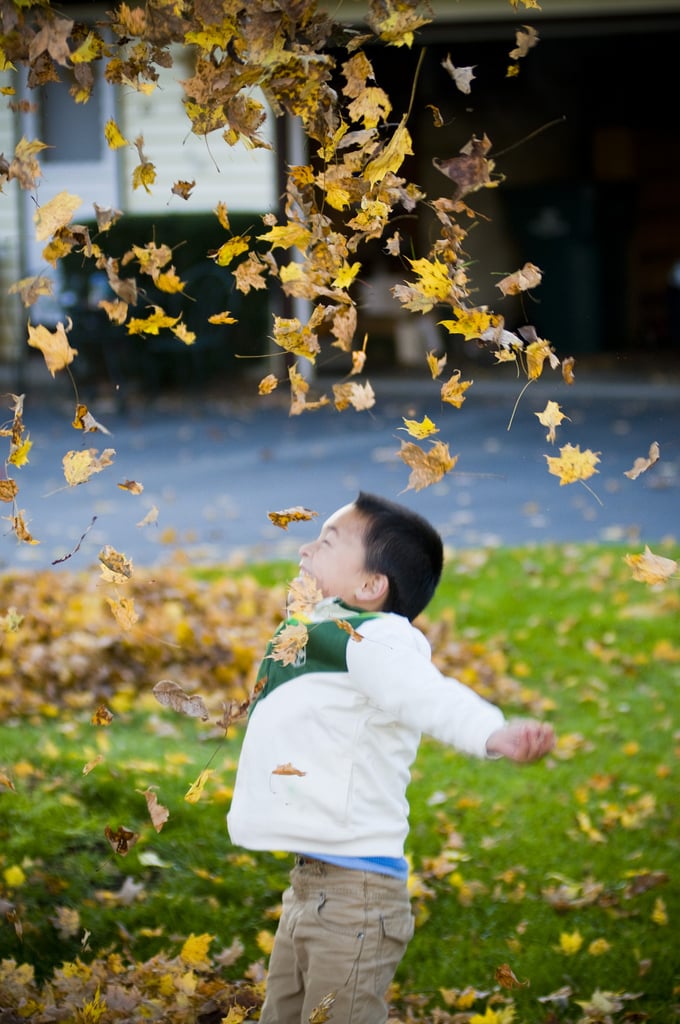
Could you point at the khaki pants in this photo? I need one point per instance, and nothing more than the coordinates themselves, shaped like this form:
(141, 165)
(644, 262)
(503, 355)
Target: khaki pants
(342, 933)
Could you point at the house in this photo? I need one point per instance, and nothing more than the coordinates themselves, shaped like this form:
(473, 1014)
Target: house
(584, 136)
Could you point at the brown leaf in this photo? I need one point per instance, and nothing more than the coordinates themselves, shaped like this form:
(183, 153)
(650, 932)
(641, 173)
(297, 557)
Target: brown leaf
(132, 486)
(506, 978)
(426, 467)
(116, 568)
(171, 695)
(287, 769)
(84, 420)
(641, 465)
(157, 812)
(349, 628)
(288, 643)
(102, 716)
(8, 490)
(122, 840)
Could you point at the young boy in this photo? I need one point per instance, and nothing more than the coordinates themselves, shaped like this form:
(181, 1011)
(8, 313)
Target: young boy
(325, 760)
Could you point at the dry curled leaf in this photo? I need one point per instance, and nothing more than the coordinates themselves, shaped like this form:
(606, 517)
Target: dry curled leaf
(529, 276)
(157, 812)
(116, 568)
(303, 595)
(171, 695)
(349, 628)
(102, 716)
(298, 514)
(506, 978)
(132, 486)
(641, 465)
(288, 644)
(287, 769)
(651, 568)
(122, 840)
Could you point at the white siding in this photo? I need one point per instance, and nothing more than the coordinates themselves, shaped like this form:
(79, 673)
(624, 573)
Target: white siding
(242, 178)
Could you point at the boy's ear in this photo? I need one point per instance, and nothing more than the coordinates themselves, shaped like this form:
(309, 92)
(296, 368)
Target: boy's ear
(375, 588)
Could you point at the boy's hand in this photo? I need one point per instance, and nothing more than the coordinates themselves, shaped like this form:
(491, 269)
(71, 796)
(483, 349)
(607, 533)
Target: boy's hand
(522, 741)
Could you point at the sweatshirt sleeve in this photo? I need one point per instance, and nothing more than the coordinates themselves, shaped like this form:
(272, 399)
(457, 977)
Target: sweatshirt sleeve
(392, 667)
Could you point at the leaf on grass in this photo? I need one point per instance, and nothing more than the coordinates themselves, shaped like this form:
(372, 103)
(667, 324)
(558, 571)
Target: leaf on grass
(288, 643)
(6, 781)
(551, 417)
(122, 840)
(157, 812)
(651, 568)
(297, 514)
(80, 466)
(287, 769)
(572, 464)
(91, 765)
(506, 978)
(171, 695)
(426, 467)
(641, 465)
(102, 716)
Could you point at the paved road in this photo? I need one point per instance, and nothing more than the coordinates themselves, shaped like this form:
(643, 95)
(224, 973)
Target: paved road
(214, 471)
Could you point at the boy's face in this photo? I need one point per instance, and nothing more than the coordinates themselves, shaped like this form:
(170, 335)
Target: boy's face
(336, 561)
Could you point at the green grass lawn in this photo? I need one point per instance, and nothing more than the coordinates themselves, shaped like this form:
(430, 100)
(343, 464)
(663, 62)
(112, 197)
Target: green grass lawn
(565, 871)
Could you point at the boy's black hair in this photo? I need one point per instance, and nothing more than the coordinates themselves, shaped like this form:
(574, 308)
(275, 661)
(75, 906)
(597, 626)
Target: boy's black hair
(403, 546)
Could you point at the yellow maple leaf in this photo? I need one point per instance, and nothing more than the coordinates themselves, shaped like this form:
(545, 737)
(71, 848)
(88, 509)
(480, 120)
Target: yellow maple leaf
(434, 281)
(55, 214)
(54, 346)
(453, 390)
(194, 952)
(570, 943)
(195, 790)
(157, 812)
(153, 323)
(551, 417)
(227, 252)
(288, 643)
(651, 568)
(113, 135)
(536, 354)
(572, 464)
(297, 514)
(169, 282)
(471, 323)
(267, 385)
(290, 335)
(80, 466)
(222, 318)
(346, 274)
(123, 611)
(391, 157)
(19, 454)
(283, 236)
(426, 467)
(182, 332)
(420, 429)
(435, 364)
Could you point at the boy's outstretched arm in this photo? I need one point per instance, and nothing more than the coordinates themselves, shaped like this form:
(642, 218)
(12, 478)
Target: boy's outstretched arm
(526, 740)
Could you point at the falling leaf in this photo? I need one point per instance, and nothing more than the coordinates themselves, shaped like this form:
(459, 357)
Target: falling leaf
(171, 695)
(80, 466)
(521, 281)
(289, 643)
(461, 76)
(222, 318)
(55, 214)
(113, 135)
(568, 370)
(195, 791)
(267, 385)
(303, 596)
(471, 170)
(297, 514)
(391, 157)
(131, 486)
(435, 364)
(505, 977)
(287, 769)
(426, 467)
(21, 530)
(116, 568)
(641, 464)
(102, 716)
(651, 568)
(8, 490)
(183, 188)
(6, 781)
(551, 417)
(123, 611)
(572, 464)
(150, 517)
(84, 420)
(525, 38)
(453, 390)
(91, 765)
(122, 840)
(421, 429)
(158, 814)
(54, 346)
(349, 628)
(359, 396)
